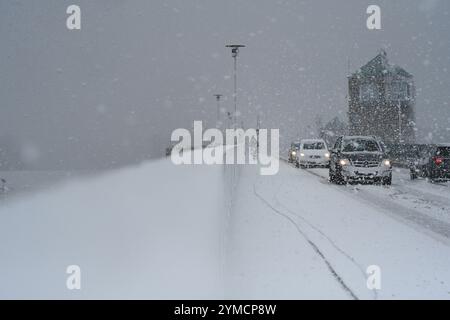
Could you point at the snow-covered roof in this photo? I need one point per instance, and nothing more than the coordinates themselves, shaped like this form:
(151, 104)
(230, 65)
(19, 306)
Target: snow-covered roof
(359, 137)
(311, 140)
(380, 64)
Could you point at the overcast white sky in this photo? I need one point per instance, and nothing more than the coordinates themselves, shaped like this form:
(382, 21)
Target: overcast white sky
(111, 93)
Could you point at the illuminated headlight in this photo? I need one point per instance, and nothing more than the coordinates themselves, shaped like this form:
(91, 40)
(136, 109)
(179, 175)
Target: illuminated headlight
(302, 154)
(293, 153)
(327, 155)
(344, 162)
(387, 163)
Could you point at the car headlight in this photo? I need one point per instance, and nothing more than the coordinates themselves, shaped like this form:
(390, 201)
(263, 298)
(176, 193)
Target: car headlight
(387, 162)
(327, 155)
(293, 153)
(302, 154)
(344, 162)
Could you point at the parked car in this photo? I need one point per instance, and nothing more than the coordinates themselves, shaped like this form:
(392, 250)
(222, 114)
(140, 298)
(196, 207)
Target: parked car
(360, 159)
(313, 153)
(292, 156)
(433, 163)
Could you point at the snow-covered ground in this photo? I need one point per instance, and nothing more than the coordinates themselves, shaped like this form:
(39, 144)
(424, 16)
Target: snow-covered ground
(424, 204)
(152, 231)
(295, 235)
(165, 231)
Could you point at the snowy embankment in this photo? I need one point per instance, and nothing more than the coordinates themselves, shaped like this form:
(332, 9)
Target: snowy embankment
(153, 231)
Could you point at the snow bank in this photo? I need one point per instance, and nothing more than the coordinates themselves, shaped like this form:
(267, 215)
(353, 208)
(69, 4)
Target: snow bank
(152, 231)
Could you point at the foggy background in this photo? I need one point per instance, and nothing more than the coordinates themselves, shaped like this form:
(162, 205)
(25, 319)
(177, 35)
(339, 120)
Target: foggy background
(111, 93)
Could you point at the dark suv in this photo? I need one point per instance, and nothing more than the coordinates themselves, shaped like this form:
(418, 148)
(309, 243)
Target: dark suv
(433, 164)
(360, 159)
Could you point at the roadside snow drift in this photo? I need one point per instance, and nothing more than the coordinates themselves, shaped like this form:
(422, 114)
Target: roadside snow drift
(153, 231)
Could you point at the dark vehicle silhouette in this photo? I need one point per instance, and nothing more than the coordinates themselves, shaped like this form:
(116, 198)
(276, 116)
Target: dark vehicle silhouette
(292, 156)
(359, 159)
(433, 164)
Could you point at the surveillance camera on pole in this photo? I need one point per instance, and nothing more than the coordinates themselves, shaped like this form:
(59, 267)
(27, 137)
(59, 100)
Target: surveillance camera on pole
(234, 53)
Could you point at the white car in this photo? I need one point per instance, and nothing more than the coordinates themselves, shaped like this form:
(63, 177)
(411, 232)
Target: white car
(313, 153)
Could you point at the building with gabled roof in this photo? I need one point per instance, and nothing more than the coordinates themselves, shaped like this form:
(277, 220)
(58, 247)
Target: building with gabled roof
(381, 101)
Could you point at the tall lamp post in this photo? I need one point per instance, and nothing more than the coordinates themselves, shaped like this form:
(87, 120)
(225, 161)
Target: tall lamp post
(234, 54)
(218, 96)
(400, 134)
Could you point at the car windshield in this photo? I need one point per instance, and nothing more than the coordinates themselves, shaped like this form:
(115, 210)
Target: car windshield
(360, 145)
(295, 146)
(443, 151)
(314, 146)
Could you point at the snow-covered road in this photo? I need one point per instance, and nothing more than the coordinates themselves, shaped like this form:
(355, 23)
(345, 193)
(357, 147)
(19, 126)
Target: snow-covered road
(424, 205)
(162, 231)
(295, 234)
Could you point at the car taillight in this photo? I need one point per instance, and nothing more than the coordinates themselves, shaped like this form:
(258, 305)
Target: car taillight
(438, 160)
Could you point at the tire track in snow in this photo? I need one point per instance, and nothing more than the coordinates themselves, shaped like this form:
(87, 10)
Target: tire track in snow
(331, 242)
(333, 272)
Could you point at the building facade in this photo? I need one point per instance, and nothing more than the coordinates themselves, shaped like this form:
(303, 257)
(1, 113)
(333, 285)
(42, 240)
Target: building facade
(382, 101)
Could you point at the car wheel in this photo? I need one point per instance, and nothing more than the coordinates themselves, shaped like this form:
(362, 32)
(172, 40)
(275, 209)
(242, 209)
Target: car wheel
(340, 178)
(331, 177)
(423, 174)
(297, 165)
(427, 174)
(337, 177)
(433, 179)
(430, 177)
(387, 181)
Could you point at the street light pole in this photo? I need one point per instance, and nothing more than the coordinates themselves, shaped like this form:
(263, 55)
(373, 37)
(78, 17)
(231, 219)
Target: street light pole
(218, 96)
(257, 133)
(399, 122)
(234, 54)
